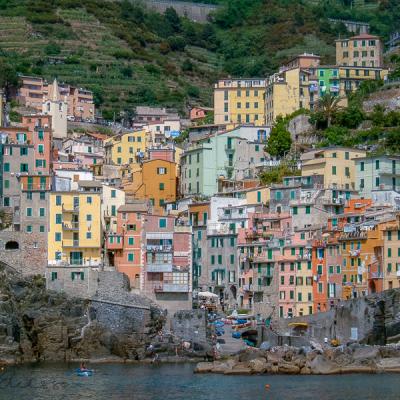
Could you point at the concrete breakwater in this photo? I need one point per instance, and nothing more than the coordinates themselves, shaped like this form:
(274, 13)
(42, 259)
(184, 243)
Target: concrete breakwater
(354, 358)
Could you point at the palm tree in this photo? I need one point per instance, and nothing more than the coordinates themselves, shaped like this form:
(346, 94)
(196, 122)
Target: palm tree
(328, 105)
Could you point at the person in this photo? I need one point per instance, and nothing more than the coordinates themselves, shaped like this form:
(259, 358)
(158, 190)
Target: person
(83, 366)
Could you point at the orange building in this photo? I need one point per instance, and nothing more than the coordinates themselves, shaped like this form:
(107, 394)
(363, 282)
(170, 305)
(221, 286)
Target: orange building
(124, 246)
(320, 276)
(154, 180)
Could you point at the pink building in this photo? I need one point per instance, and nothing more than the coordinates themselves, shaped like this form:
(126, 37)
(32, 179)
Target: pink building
(167, 154)
(124, 248)
(35, 90)
(197, 113)
(167, 268)
(42, 139)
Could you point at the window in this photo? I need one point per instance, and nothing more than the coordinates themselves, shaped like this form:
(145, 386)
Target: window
(131, 257)
(89, 199)
(29, 228)
(333, 170)
(42, 212)
(40, 135)
(295, 210)
(212, 260)
(161, 186)
(88, 235)
(113, 210)
(113, 194)
(308, 209)
(58, 200)
(389, 252)
(376, 164)
(232, 259)
(6, 184)
(119, 160)
(23, 167)
(88, 217)
(346, 155)
(161, 171)
(362, 166)
(23, 151)
(162, 223)
(131, 241)
(29, 212)
(131, 227)
(42, 196)
(6, 167)
(41, 148)
(219, 259)
(347, 172)
(41, 229)
(57, 237)
(377, 181)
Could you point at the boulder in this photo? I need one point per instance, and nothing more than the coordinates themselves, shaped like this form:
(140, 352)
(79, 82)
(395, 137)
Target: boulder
(362, 354)
(285, 367)
(258, 365)
(204, 367)
(250, 354)
(220, 367)
(321, 366)
(389, 365)
(305, 371)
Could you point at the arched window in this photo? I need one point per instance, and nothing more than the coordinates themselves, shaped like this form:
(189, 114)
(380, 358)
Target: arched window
(12, 245)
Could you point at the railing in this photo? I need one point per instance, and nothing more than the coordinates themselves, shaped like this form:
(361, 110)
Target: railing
(379, 275)
(229, 148)
(70, 227)
(159, 247)
(183, 229)
(165, 267)
(71, 209)
(171, 288)
(36, 186)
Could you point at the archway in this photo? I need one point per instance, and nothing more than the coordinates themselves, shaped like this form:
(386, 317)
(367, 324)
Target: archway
(12, 245)
(372, 287)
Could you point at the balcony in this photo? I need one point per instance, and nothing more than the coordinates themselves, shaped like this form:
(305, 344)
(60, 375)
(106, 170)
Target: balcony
(171, 288)
(36, 186)
(71, 243)
(229, 149)
(303, 257)
(159, 267)
(154, 248)
(182, 229)
(70, 209)
(353, 235)
(70, 226)
(327, 201)
(379, 275)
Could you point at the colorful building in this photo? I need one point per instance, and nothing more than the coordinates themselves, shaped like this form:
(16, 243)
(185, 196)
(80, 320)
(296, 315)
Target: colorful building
(377, 173)
(167, 272)
(239, 101)
(336, 164)
(294, 87)
(362, 50)
(155, 181)
(125, 149)
(124, 245)
(75, 235)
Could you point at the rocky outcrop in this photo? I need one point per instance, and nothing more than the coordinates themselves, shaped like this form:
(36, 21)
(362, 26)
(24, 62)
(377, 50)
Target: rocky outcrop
(305, 361)
(38, 325)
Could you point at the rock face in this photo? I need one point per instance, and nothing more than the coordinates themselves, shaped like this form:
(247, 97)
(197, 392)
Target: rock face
(38, 325)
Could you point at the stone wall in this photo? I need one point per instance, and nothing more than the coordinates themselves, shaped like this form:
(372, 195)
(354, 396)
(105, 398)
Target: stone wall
(374, 319)
(196, 11)
(31, 256)
(191, 326)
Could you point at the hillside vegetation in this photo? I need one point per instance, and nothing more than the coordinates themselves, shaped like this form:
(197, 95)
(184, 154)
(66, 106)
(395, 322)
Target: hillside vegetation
(129, 55)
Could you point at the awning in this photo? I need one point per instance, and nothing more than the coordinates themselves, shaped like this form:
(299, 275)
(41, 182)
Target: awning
(298, 324)
(207, 294)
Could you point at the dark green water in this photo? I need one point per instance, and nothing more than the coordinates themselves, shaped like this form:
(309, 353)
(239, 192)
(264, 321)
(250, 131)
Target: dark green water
(177, 382)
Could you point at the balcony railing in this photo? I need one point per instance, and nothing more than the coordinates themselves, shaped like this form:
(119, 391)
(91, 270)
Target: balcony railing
(171, 288)
(36, 186)
(71, 226)
(70, 209)
(159, 267)
(159, 247)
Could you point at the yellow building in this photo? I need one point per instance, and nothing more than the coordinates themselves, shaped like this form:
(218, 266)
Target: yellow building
(74, 229)
(258, 195)
(363, 50)
(155, 180)
(125, 149)
(294, 87)
(239, 101)
(352, 77)
(336, 164)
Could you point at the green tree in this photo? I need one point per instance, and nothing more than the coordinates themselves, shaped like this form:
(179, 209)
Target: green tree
(328, 106)
(8, 77)
(279, 141)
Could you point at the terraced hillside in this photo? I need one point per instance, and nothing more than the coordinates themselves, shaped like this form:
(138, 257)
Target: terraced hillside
(86, 52)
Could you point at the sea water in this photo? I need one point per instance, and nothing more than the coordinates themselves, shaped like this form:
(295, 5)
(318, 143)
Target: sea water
(177, 382)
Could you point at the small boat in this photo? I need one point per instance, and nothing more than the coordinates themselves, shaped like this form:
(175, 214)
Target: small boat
(84, 372)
